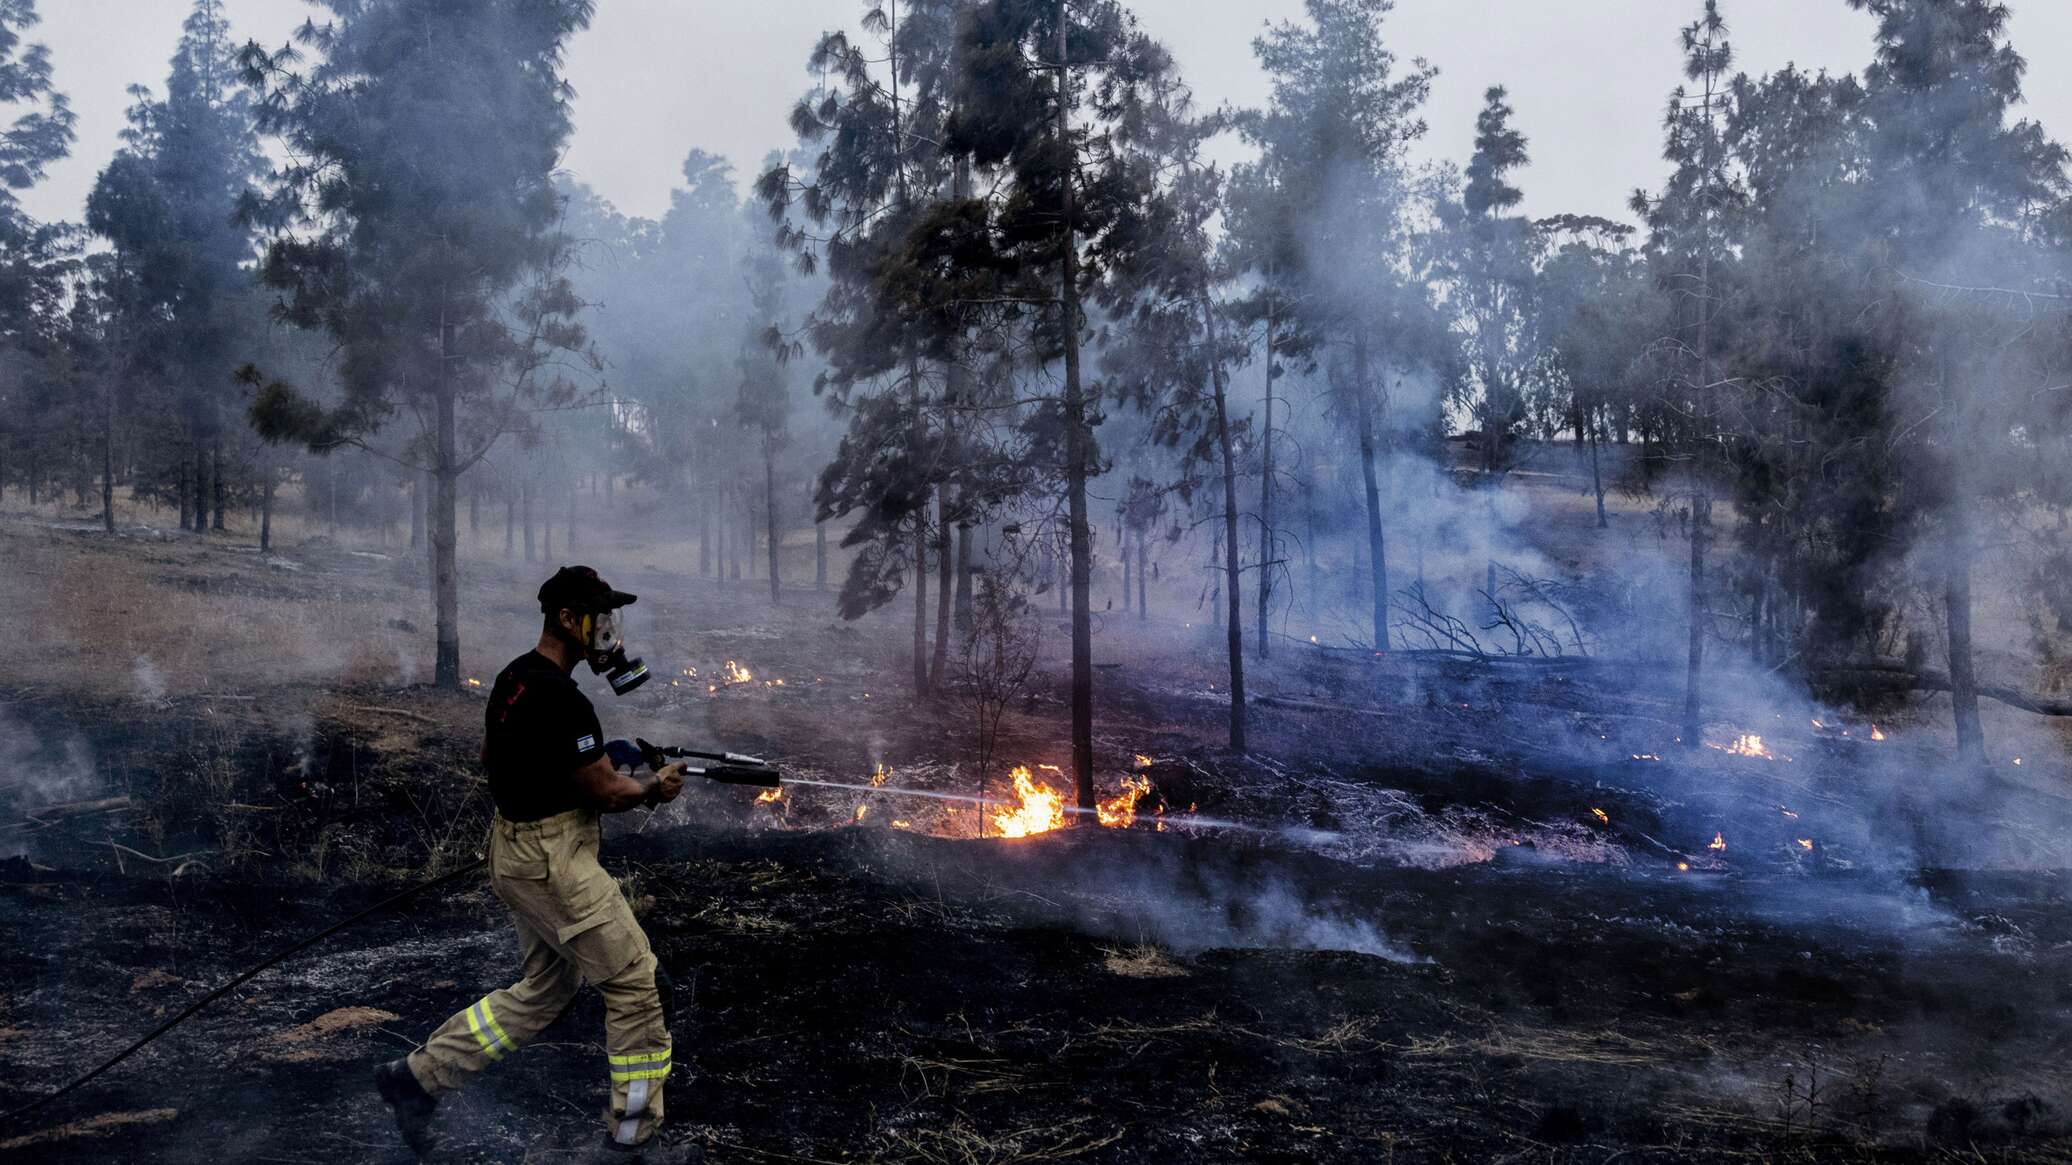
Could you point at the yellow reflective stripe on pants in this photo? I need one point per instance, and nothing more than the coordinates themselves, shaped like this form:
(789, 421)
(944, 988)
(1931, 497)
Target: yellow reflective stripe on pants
(640, 1066)
(488, 1033)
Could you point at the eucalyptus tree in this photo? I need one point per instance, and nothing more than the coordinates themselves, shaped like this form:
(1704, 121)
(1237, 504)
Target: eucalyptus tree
(417, 222)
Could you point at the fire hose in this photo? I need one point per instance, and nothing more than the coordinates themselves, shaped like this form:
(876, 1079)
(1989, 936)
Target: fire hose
(723, 767)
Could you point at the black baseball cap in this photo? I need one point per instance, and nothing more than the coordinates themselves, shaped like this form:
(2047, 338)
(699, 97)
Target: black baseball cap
(578, 588)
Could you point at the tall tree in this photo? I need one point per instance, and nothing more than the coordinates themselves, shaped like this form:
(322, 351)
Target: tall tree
(35, 258)
(1041, 86)
(1175, 347)
(873, 124)
(1684, 221)
(418, 224)
(1956, 182)
(168, 206)
(1334, 139)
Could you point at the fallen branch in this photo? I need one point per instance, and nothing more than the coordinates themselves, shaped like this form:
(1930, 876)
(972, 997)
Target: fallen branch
(121, 848)
(51, 814)
(1907, 679)
(420, 717)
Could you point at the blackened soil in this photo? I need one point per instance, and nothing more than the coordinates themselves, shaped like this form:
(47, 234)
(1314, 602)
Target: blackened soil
(869, 995)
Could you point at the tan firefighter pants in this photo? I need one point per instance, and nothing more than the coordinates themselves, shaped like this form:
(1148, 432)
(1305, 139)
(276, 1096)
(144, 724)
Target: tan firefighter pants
(573, 927)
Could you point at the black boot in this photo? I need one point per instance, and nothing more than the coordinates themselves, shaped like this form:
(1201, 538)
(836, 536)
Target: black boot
(410, 1104)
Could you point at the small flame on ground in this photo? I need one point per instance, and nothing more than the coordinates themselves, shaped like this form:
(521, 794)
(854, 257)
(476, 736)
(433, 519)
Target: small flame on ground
(1719, 842)
(1038, 808)
(901, 823)
(1120, 811)
(1877, 733)
(1144, 762)
(880, 775)
(473, 682)
(771, 797)
(862, 811)
(1746, 744)
(1806, 843)
(1683, 866)
(1601, 815)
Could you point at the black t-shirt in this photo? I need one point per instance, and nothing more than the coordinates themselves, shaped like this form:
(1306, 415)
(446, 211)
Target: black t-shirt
(539, 729)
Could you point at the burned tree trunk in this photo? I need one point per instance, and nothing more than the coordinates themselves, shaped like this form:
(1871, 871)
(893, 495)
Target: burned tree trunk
(770, 507)
(1261, 641)
(266, 509)
(944, 585)
(1078, 446)
(108, 458)
(217, 492)
(445, 538)
(1234, 636)
(1597, 480)
(1694, 662)
(1143, 569)
(525, 518)
(1971, 737)
(1377, 546)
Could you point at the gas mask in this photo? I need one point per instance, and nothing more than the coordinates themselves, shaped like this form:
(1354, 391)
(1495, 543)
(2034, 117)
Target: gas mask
(605, 647)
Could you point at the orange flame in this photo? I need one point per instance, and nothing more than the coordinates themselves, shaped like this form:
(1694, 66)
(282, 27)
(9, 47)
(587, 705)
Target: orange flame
(1120, 811)
(1601, 815)
(1038, 808)
(770, 797)
(1719, 842)
(1746, 744)
(1877, 733)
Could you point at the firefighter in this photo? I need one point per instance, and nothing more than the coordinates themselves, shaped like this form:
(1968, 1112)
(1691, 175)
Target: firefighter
(551, 777)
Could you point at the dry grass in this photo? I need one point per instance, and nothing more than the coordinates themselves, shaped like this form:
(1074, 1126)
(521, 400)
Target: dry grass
(304, 1042)
(94, 1126)
(1571, 1047)
(1141, 962)
(961, 1143)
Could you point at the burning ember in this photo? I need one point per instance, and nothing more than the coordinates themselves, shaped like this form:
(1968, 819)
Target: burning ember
(1119, 811)
(473, 682)
(1719, 843)
(771, 797)
(1746, 744)
(1038, 808)
(1602, 817)
(1877, 733)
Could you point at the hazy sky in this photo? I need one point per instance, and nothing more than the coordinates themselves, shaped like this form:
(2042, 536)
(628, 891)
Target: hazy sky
(1589, 78)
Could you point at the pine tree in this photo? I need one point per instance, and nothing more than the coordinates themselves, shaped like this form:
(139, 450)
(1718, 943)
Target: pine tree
(417, 224)
(1333, 139)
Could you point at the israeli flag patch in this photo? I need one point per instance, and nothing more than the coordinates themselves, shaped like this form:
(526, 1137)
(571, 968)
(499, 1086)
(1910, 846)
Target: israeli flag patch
(585, 743)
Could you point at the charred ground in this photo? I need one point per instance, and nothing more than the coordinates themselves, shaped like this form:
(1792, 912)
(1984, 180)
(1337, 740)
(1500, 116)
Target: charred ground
(1525, 979)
